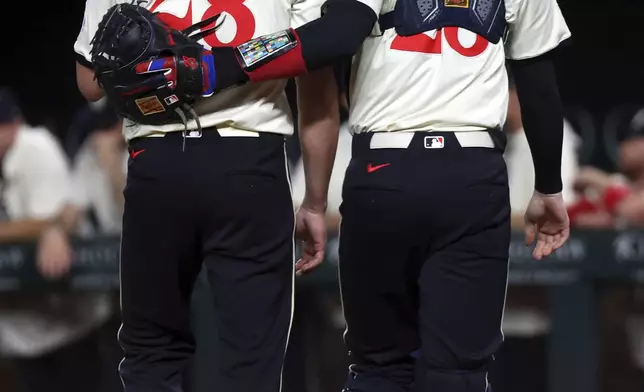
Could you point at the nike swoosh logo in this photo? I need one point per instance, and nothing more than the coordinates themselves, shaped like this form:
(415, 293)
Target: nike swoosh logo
(371, 168)
(134, 154)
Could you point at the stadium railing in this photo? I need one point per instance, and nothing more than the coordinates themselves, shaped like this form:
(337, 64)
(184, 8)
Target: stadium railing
(572, 277)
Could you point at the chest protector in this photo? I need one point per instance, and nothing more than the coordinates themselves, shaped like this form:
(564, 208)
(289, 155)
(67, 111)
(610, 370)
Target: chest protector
(483, 17)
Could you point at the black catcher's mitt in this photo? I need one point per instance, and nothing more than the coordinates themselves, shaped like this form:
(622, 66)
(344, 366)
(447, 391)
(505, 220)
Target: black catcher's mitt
(152, 74)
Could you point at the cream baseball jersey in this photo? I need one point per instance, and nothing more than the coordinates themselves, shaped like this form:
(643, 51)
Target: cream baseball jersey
(449, 79)
(257, 107)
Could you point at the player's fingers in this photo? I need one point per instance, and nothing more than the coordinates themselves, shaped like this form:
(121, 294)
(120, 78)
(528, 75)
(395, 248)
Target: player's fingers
(537, 254)
(529, 230)
(555, 242)
(547, 247)
(307, 256)
(311, 258)
(299, 266)
(315, 261)
(304, 258)
(565, 234)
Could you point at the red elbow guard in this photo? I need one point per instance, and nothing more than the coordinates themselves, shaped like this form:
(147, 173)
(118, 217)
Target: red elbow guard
(282, 63)
(614, 195)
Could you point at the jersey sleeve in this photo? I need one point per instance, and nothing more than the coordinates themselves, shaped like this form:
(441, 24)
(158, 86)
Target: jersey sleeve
(535, 27)
(94, 12)
(375, 5)
(305, 11)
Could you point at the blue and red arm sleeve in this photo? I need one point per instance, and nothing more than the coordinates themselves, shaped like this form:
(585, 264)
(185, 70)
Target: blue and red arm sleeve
(336, 35)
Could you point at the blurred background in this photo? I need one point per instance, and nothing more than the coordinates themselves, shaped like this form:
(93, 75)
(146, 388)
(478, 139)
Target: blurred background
(574, 322)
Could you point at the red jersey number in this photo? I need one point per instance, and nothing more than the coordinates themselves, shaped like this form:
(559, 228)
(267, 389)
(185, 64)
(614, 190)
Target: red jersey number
(423, 43)
(236, 9)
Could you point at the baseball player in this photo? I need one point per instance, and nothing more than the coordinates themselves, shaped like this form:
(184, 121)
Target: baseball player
(212, 190)
(426, 216)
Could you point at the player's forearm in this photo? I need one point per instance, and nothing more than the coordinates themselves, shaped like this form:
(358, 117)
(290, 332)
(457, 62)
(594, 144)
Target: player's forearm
(319, 144)
(68, 218)
(31, 229)
(542, 114)
(87, 83)
(338, 34)
(22, 230)
(319, 126)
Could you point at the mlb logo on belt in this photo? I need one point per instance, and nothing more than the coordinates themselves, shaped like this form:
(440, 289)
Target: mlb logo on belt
(434, 142)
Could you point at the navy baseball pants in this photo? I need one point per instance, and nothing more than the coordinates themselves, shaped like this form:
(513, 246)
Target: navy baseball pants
(423, 262)
(225, 202)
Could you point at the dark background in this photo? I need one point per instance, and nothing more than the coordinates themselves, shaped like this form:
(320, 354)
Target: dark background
(601, 68)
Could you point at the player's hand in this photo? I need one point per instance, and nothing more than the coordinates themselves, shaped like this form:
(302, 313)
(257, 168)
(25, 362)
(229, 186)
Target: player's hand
(547, 222)
(54, 253)
(310, 228)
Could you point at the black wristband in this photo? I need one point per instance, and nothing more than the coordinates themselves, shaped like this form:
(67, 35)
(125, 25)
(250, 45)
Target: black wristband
(542, 114)
(337, 35)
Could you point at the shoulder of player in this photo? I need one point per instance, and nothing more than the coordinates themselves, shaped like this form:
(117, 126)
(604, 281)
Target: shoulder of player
(512, 8)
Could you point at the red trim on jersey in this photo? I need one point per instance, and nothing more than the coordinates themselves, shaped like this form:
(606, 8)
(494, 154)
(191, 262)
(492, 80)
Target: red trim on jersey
(287, 65)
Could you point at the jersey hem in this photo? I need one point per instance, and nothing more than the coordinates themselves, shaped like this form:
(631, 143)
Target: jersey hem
(356, 130)
(157, 133)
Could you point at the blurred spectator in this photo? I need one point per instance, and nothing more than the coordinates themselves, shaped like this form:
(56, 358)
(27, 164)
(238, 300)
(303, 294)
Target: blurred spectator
(88, 119)
(44, 333)
(520, 166)
(95, 208)
(526, 321)
(35, 178)
(99, 174)
(614, 200)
